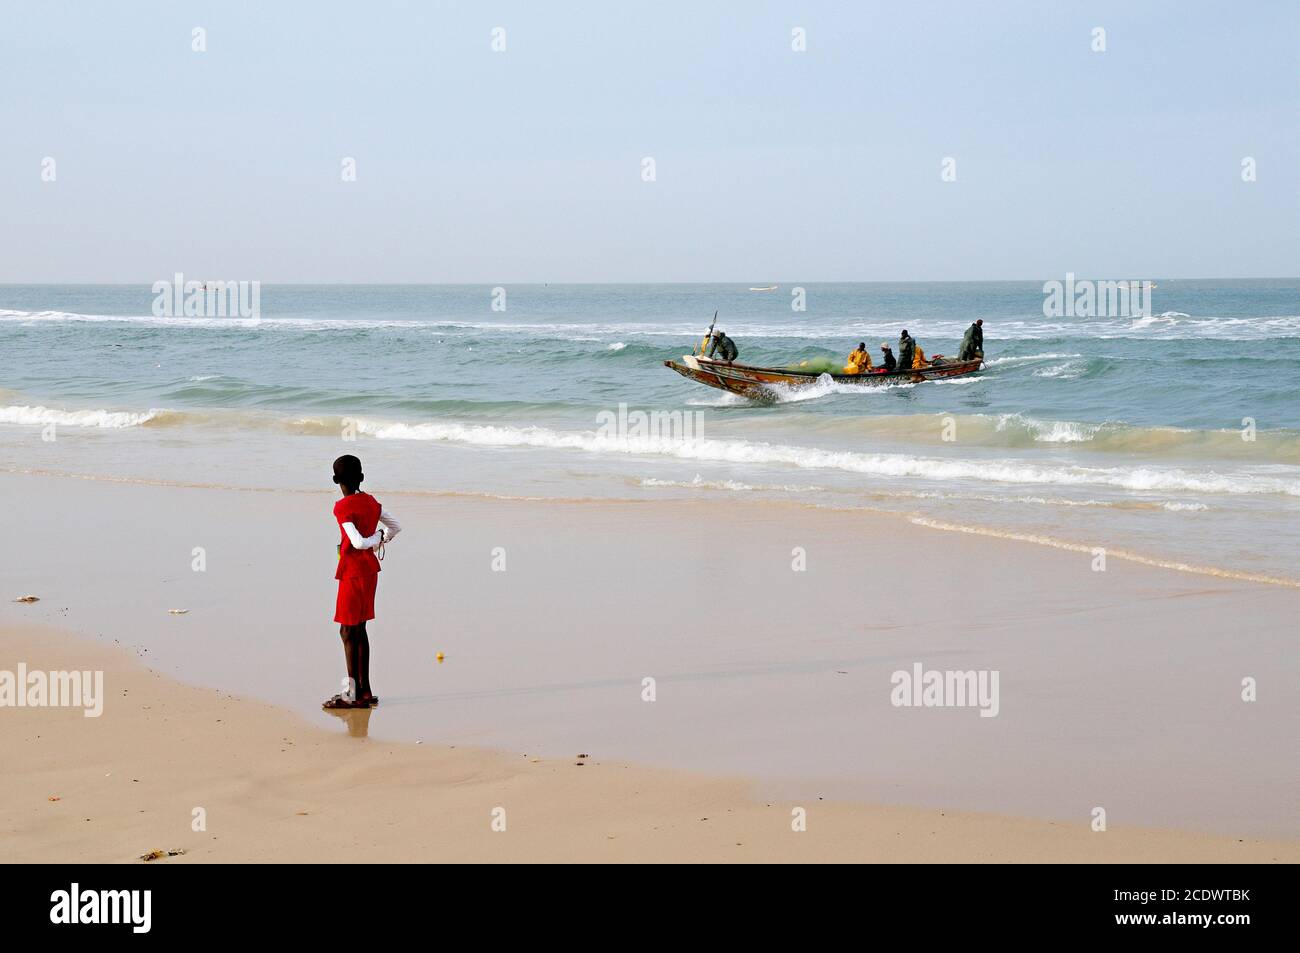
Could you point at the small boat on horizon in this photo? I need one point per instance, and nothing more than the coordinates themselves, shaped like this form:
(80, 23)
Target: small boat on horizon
(766, 288)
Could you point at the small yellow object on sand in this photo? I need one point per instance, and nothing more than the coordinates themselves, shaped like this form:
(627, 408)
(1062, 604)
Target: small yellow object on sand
(159, 854)
(439, 656)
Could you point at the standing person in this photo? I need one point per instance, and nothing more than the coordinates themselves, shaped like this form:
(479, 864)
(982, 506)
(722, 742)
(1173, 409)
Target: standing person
(972, 343)
(888, 360)
(906, 351)
(359, 515)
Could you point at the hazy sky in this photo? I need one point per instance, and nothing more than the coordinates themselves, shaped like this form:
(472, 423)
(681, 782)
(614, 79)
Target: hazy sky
(526, 165)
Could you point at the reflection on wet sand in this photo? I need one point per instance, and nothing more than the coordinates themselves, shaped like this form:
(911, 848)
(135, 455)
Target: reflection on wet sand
(356, 719)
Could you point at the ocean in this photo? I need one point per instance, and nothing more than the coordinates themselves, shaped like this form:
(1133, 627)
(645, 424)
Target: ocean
(1171, 438)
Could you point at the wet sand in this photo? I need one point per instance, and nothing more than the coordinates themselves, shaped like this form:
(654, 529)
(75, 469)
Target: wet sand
(268, 787)
(1118, 689)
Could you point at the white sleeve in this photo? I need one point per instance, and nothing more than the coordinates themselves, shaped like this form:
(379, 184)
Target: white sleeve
(357, 540)
(390, 523)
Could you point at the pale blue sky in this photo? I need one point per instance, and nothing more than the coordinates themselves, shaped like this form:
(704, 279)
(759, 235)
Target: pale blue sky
(475, 166)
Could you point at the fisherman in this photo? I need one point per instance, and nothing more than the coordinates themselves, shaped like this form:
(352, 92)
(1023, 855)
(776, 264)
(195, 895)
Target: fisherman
(859, 360)
(888, 360)
(906, 351)
(972, 343)
(722, 346)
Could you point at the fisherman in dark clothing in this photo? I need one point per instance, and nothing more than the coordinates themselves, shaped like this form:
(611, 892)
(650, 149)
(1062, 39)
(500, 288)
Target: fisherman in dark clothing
(887, 362)
(722, 346)
(906, 351)
(972, 343)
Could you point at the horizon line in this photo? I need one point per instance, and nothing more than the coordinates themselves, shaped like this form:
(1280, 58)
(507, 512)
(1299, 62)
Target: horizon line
(473, 284)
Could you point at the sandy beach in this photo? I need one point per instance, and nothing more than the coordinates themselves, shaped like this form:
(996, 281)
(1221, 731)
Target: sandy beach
(772, 688)
(650, 435)
(274, 788)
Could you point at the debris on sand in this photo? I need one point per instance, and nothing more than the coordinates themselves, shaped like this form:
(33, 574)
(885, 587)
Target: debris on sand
(28, 599)
(159, 854)
(54, 797)
(179, 611)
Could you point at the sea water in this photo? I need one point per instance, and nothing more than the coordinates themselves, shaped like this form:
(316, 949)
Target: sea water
(1172, 436)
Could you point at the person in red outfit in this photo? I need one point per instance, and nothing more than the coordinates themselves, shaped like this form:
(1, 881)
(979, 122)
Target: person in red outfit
(359, 517)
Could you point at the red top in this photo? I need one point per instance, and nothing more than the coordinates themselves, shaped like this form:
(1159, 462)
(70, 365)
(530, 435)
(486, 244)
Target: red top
(362, 511)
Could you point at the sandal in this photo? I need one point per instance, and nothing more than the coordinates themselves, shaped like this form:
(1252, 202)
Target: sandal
(338, 701)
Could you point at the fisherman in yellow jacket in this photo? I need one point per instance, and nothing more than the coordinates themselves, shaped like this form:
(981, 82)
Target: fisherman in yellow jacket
(859, 360)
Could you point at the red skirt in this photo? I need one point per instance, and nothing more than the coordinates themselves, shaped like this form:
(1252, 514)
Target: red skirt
(356, 602)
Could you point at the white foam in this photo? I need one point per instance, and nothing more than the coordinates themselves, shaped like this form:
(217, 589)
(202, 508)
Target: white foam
(1070, 370)
(838, 329)
(103, 419)
(1146, 479)
(1050, 431)
(142, 319)
(824, 386)
(1024, 358)
(734, 485)
(725, 399)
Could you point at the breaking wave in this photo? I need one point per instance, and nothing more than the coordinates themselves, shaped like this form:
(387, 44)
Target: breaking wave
(851, 436)
(699, 483)
(1171, 325)
(1160, 455)
(102, 419)
(885, 465)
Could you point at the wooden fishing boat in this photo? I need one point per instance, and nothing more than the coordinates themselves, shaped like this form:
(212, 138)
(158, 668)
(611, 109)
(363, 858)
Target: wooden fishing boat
(758, 382)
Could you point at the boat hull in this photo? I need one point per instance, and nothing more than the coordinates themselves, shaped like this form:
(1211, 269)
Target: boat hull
(758, 383)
